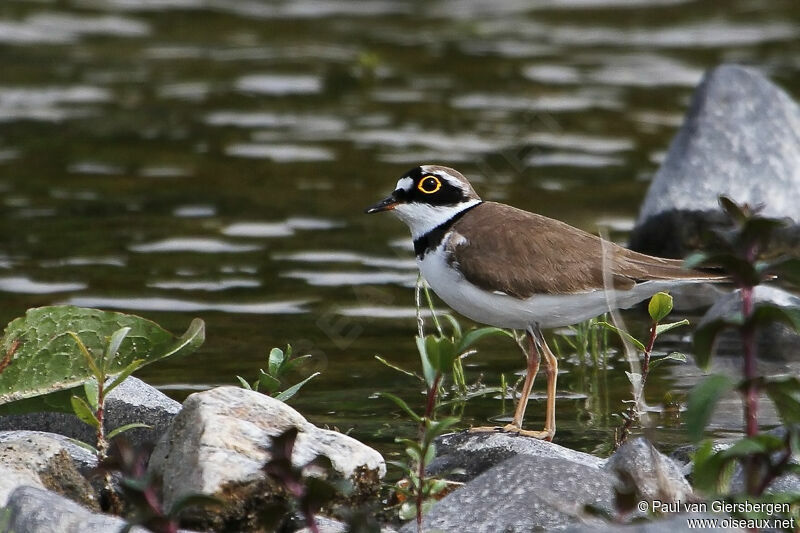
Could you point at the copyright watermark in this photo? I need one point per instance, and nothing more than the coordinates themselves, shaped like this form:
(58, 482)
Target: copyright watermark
(770, 509)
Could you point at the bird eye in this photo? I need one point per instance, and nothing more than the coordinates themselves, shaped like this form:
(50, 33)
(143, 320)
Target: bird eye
(429, 184)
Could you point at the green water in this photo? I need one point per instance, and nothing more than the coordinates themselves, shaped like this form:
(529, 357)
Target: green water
(212, 158)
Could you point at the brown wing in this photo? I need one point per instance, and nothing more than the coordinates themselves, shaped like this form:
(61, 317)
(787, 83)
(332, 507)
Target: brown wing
(526, 254)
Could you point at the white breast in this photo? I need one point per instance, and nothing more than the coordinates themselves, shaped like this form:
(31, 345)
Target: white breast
(501, 310)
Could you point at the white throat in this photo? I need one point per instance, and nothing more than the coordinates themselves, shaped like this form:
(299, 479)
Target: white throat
(422, 218)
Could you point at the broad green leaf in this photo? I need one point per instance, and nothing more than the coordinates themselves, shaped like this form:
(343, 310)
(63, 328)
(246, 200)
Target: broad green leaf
(113, 345)
(244, 383)
(661, 328)
(765, 314)
(660, 306)
(710, 471)
(290, 364)
(674, 356)
(268, 383)
(445, 353)
(701, 402)
(84, 412)
(91, 362)
(787, 269)
(402, 405)
(737, 213)
(92, 392)
(475, 335)
(127, 371)
(291, 391)
(763, 443)
(122, 429)
(48, 358)
(624, 334)
(276, 358)
(705, 337)
(785, 394)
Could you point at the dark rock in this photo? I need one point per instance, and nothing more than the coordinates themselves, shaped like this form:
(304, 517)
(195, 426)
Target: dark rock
(38, 460)
(647, 473)
(524, 493)
(474, 453)
(670, 524)
(133, 401)
(741, 137)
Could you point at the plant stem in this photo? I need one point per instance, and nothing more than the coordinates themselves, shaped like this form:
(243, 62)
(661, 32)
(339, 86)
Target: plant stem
(430, 405)
(648, 351)
(751, 387)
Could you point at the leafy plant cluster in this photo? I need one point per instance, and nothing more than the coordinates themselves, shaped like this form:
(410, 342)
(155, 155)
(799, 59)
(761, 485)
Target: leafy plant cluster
(741, 251)
(272, 380)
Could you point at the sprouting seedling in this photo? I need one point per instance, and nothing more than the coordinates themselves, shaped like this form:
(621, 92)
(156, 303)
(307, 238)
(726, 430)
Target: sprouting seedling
(92, 410)
(658, 308)
(279, 364)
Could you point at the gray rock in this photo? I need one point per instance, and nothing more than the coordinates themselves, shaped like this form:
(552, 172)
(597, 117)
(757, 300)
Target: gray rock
(524, 493)
(84, 460)
(219, 442)
(133, 401)
(474, 453)
(670, 524)
(776, 342)
(41, 461)
(34, 510)
(741, 137)
(647, 473)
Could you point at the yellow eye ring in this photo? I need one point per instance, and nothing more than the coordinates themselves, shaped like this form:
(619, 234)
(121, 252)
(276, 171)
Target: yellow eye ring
(429, 184)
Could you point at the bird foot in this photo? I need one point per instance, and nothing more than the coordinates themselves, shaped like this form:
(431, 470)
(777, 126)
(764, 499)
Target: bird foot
(545, 434)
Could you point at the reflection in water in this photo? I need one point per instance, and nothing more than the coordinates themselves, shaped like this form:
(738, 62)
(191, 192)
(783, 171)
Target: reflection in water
(218, 165)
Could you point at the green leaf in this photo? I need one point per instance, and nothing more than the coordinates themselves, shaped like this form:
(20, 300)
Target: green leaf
(193, 500)
(127, 371)
(786, 268)
(402, 404)
(83, 445)
(243, 382)
(122, 429)
(48, 359)
(623, 334)
(660, 306)
(701, 402)
(88, 356)
(767, 313)
(113, 345)
(763, 443)
(711, 471)
(785, 394)
(268, 383)
(395, 367)
(428, 370)
(662, 328)
(695, 259)
(457, 333)
(736, 212)
(276, 358)
(674, 356)
(445, 353)
(92, 392)
(291, 391)
(84, 412)
(705, 337)
(290, 364)
(475, 335)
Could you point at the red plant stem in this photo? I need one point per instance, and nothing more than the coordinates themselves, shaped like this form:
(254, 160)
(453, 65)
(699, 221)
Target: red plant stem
(430, 405)
(647, 352)
(432, 392)
(750, 392)
(102, 445)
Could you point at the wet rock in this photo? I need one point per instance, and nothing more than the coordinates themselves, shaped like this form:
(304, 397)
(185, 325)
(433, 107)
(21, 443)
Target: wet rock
(133, 401)
(776, 342)
(647, 473)
(84, 460)
(669, 524)
(34, 510)
(474, 453)
(219, 442)
(741, 137)
(41, 461)
(524, 493)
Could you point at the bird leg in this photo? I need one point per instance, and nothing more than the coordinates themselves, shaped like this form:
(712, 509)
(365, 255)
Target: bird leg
(551, 371)
(519, 413)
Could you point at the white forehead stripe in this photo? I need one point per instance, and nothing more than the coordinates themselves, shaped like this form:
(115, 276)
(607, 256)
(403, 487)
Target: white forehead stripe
(449, 178)
(405, 184)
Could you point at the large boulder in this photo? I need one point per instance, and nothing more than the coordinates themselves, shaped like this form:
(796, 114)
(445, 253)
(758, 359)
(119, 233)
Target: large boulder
(131, 402)
(524, 493)
(741, 138)
(464, 455)
(648, 474)
(220, 441)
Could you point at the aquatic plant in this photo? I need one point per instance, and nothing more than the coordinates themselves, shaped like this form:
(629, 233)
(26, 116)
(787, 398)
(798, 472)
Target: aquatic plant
(741, 250)
(273, 380)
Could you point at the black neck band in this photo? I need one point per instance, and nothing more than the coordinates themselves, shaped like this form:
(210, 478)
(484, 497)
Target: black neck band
(431, 240)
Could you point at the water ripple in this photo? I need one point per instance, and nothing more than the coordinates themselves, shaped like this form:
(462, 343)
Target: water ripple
(196, 244)
(177, 305)
(25, 285)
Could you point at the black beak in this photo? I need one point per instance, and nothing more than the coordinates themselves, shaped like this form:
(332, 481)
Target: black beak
(387, 204)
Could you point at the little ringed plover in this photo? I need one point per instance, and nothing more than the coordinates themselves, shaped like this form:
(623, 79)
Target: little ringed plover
(509, 268)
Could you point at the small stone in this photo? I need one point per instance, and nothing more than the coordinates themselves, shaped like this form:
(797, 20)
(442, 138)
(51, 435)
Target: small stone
(647, 473)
